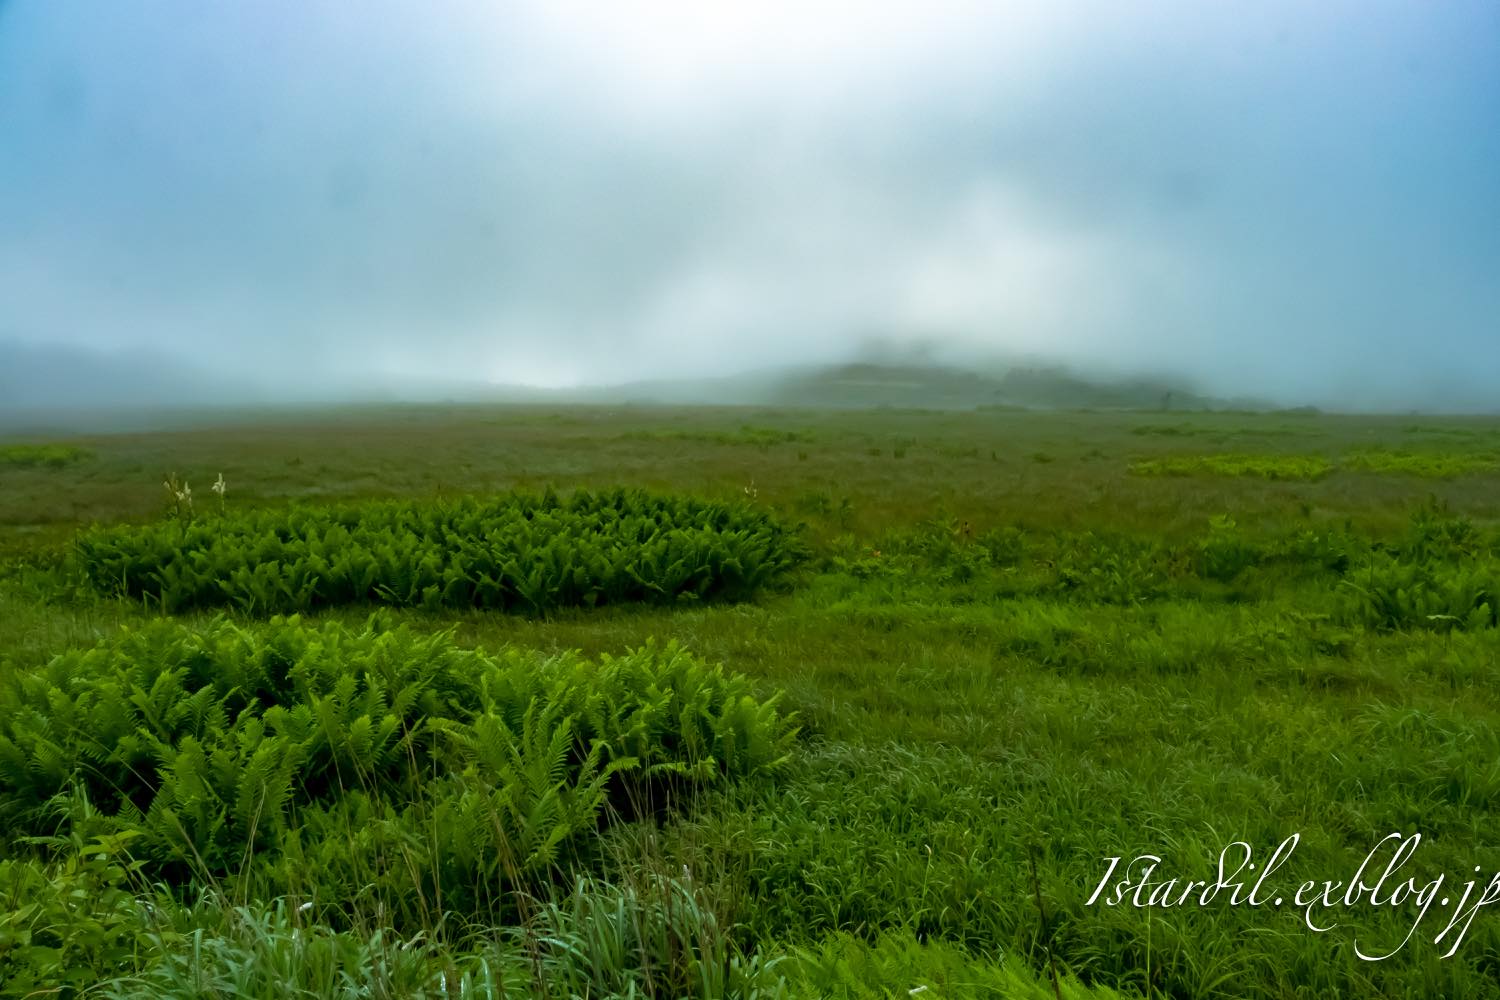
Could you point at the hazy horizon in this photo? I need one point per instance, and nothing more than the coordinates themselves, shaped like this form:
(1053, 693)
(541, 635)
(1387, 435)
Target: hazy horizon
(1297, 204)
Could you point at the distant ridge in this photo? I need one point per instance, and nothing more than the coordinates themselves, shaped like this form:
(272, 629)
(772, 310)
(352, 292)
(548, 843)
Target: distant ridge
(930, 386)
(54, 386)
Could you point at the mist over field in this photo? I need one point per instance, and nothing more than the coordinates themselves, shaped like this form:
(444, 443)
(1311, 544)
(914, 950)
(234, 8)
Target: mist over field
(295, 200)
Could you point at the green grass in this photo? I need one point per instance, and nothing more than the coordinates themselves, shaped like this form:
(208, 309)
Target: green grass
(1425, 465)
(761, 437)
(1428, 465)
(1257, 466)
(995, 662)
(52, 456)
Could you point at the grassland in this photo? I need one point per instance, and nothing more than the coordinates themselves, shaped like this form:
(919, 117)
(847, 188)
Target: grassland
(50, 455)
(1007, 653)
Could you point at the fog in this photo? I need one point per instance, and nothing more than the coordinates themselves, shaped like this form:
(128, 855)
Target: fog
(281, 199)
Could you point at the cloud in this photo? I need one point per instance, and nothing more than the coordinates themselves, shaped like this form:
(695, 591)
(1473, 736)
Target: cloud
(1296, 202)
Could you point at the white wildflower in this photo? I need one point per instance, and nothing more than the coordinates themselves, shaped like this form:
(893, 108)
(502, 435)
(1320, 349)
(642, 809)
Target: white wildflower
(181, 495)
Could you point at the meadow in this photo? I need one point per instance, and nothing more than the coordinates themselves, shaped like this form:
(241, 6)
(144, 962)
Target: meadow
(755, 702)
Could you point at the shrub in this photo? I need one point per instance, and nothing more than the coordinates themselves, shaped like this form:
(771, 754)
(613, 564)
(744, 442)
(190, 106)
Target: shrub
(68, 924)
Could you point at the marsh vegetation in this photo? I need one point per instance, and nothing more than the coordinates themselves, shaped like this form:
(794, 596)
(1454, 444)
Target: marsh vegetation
(835, 697)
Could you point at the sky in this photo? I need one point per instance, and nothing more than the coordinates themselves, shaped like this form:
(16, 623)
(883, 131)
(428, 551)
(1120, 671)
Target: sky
(1296, 201)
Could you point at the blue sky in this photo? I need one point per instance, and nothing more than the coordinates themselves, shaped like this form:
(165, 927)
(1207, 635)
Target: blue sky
(1292, 200)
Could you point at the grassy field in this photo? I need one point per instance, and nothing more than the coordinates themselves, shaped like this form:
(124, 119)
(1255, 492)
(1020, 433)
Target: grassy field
(1015, 645)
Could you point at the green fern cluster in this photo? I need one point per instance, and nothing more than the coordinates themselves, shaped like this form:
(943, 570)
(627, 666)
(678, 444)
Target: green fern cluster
(1436, 534)
(380, 757)
(1442, 575)
(1111, 569)
(516, 552)
(1389, 593)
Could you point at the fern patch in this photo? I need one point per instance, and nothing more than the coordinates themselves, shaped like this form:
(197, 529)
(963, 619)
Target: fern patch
(377, 757)
(516, 552)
